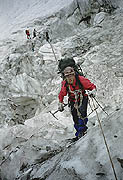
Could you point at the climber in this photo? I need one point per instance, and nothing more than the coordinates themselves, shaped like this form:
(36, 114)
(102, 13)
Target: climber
(28, 34)
(75, 85)
(34, 33)
(33, 46)
(47, 36)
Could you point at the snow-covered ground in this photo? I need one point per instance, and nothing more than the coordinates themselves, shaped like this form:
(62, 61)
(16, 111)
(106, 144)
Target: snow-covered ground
(33, 144)
(14, 15)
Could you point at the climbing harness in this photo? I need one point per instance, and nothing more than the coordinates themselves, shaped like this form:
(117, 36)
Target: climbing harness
(78, 94)
(104, 138)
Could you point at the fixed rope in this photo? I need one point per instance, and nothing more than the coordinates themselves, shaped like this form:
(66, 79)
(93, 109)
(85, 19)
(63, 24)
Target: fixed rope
(100, 106)
(105, 140)
(52, 50)
(48, 40)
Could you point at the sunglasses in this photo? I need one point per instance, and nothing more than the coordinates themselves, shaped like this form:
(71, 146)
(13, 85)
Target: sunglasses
(69, 75)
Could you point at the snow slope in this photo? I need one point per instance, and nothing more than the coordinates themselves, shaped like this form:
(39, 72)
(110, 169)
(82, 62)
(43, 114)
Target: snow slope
(15, 14)
(36, 148)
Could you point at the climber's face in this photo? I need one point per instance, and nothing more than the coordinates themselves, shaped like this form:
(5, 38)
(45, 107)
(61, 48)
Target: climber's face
(69, 74)
(70, 78)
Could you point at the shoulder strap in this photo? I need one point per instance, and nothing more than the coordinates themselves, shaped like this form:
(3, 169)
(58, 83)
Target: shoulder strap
(78, 81)
(66, 85)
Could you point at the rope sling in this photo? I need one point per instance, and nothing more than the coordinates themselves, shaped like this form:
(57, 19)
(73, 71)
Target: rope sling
(78, 94)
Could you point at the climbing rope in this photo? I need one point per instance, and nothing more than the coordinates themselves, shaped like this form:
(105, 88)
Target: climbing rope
(52, 50)
(104, 139)
(48, 40)
(100, 106)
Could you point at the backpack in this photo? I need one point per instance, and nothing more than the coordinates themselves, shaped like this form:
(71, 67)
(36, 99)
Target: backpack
(63, 63)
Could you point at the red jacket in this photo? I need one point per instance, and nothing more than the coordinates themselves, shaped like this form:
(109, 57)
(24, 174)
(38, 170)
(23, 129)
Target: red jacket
(27, 33)
(87, 85)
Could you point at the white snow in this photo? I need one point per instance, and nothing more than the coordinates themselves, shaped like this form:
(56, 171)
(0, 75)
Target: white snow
(28, 142)
(17, 14)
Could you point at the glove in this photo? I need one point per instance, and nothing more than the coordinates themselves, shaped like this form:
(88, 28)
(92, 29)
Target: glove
(92, 93)
(60, 107)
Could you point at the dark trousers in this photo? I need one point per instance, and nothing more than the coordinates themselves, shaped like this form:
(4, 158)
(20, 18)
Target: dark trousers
(82, 109)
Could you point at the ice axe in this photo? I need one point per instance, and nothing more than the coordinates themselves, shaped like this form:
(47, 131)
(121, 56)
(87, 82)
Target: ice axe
(53, 114)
